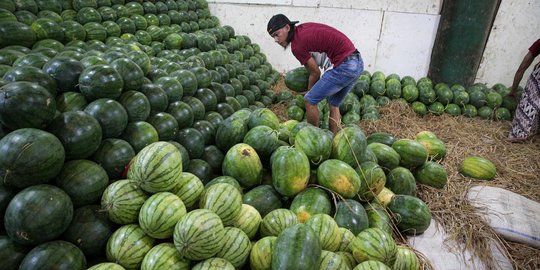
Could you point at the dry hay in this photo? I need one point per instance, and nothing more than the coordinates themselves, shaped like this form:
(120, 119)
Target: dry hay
(518, 166)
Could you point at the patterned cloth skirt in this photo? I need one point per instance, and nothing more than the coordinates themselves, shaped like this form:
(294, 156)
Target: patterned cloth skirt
(527, 116)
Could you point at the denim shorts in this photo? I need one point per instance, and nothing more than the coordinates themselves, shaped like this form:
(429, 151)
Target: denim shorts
(336, 83)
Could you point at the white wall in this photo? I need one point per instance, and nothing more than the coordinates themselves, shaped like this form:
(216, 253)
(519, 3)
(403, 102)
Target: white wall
(393, 36)
(516, 28)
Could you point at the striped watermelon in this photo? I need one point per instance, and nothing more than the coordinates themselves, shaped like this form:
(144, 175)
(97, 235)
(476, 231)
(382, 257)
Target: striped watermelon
(315, 142)
(411, 214)
(400, 180)
(374, 244)
(372, 180)
(260, 257)
(248, 220)
(107, 266)
(332, 261)
(214, 264)
(478, 168)
(224, 200)
(122, 200)
(276, 221)
(290, 170)
(339, 177)
(412, 153)
(348, 258)
(128, 245)
(349, 145)
(327, 229)
(378, 217)
(297, 247)
(160, 213)
(432, 174)
(189, 188)
(243, 164)
(235, 247)
(198, 234)
(387, 157)
(346, 238)
(406, 259)
(164, 256)
(372, 265)
(435, 147)
(156, 167)
(309, 202)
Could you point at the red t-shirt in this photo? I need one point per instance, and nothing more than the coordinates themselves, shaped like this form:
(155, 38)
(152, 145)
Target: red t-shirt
(316, 37)
(535, 48)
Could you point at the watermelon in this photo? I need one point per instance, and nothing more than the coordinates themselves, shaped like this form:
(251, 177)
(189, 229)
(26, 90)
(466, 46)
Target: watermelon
(431, 174)
(248, 220)
(331, 260)
(29, 157)
(309, 202)
(405, 259)
(378, 217)
(189, 188)
(26, 105)
(79, 132)
(478, 168)
(381, 137)
(55, 254)
(289, 181)
(243, 163)
(223, 199)
(263, 139)
(110, 114)
(351, 214)
(400, 180)
(371, 265)
(412, 153)
(419, 108)
(297, 247)
(11, 252)
(83, 180)
(160, 213)
(435, 148)
(38, 214)
(198, 235)
(372, 180)
(339, 177)
(374, 244)
(260, 257)
(297, 79)
(136, 104)
(113, 155)
(89, 230)
(122, 200)
(346, 237)
(327, 229)
(276, 221)
(315, 143)
(100, 81)
(33, 75)
(106, 266)
(263, 116)
(263, 198)
(214, 263)
(193, 140)
(24, 36)
(139, 134)
(156, 167)
(236, 247)
(128, 245)
(164, 256)
(387, 157)
(411, 215)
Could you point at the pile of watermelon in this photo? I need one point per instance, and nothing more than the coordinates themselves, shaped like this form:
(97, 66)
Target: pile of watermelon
(374, 90)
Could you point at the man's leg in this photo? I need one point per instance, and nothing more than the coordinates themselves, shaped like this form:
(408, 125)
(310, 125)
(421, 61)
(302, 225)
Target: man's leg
(312, 113)
(335, 119)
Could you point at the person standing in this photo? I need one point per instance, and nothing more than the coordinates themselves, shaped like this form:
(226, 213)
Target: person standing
(526, 119)
(315, 39)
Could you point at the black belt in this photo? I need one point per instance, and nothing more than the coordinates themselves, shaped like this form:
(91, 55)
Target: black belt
(353, 55)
